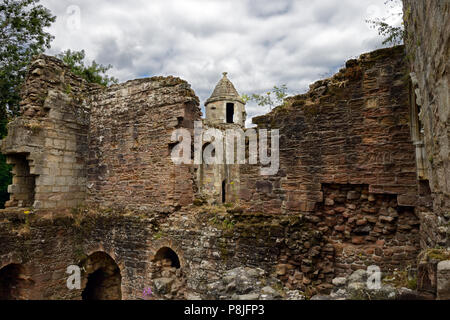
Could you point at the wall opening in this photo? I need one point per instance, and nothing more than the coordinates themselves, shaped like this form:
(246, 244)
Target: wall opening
(165, 253)
(23, 182)
(13, 283)
(104, 279)
(5, 181)
(417, 133)
(230, 112)
(166, 264)
(224, 191)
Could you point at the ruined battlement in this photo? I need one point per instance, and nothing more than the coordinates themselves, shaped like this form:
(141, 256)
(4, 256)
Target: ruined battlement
(48, 142)
(94, 185)
(130, 132)
(350, 129)
(78, 143)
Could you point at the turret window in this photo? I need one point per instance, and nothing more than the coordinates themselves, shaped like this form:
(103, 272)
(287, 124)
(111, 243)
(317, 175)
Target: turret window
(230, 112)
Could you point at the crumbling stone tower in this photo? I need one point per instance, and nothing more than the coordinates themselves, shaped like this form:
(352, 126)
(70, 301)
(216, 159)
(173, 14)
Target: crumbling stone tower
(225, 110)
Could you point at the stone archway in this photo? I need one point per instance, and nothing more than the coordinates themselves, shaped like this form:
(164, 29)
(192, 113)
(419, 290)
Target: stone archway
(14, 283)
(168, 278)
(168, 257)
(103, 278)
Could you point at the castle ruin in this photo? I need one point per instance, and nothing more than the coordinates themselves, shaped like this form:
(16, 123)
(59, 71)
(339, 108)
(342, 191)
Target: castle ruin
(362, 180)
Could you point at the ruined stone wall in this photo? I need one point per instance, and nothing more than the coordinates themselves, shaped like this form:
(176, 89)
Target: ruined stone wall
(129, 145)
(347, 164)
(350, 129)
(47, 144)
(45, 245)
(343, 198)
(428, 47)
(207, 241)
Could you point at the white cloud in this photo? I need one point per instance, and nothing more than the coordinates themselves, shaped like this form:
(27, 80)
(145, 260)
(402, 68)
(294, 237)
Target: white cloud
(261, 43)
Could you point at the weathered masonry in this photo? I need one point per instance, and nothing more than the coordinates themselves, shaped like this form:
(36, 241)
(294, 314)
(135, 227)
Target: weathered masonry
(95, 186)
(427, 25)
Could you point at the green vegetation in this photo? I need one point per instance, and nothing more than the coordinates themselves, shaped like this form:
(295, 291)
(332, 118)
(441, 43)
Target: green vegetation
(438, 254)
(93, 73)
(158, 235)
(271, 98)
(401, 278)
(22, 36)
(5, 180)
(393, 35)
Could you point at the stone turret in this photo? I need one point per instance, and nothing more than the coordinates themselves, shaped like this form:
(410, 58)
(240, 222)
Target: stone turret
(225, 104)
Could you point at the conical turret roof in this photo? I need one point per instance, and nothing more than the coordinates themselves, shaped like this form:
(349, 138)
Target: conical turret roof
(224, 90)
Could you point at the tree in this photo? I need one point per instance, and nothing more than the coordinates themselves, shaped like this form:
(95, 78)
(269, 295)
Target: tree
(95, 73)
(22, 35)
(271, 98)
(393, 35)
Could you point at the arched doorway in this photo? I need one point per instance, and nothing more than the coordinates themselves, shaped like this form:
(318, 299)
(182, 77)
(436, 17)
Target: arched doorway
(14, 284)
(103, 280)
(168, 280)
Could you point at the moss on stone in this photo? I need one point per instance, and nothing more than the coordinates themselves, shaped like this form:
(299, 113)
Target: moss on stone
(437, 254)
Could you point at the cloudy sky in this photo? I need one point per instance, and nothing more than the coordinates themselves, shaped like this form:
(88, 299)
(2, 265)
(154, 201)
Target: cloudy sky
(260, 43)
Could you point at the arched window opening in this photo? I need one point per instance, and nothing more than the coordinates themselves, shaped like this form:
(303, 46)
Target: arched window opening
(167, 255)
(230, 112)
(104, 279)
(13, 283)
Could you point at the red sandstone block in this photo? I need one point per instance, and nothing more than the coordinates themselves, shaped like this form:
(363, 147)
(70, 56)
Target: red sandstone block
(357, 239)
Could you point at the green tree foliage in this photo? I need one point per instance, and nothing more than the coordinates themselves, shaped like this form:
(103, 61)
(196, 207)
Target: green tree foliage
(94, 73)
(5, 169)
(393, 35)
(22, 35)
(272, 98)
(5, 180)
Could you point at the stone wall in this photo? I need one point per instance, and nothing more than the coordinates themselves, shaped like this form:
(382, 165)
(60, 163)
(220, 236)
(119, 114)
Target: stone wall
(428, 46)
(47, 144)
(129, 145)
(343, 198)
(45, 245)
(350, 129)
(347, 165)
(218, 181)
(76, 142)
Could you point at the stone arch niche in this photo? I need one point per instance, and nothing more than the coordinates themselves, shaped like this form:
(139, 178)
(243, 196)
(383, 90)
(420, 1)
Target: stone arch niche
(168, 280)
(14, 283)
(168, 257)
(103, 278)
